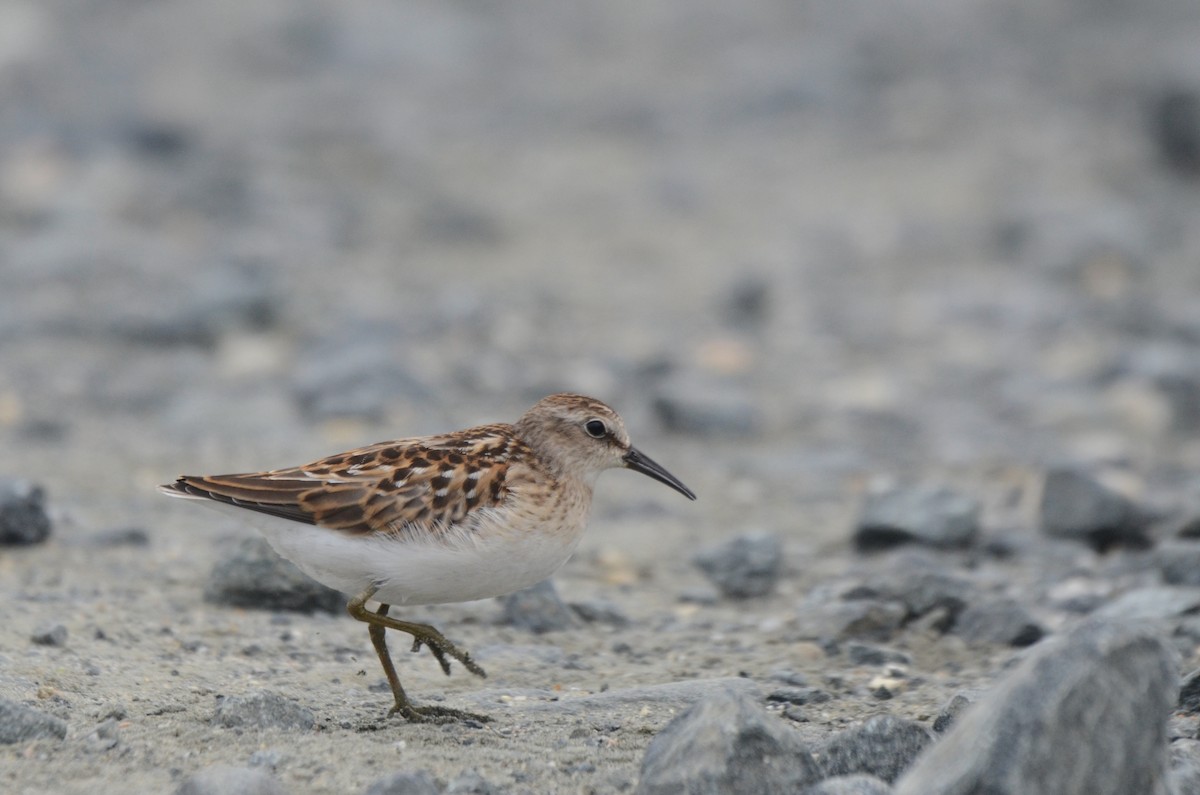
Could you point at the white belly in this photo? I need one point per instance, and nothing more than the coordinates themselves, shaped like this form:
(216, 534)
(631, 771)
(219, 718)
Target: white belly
(406, 572)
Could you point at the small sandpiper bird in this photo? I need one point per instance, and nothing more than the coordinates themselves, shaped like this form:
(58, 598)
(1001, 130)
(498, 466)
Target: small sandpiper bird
(467, 515)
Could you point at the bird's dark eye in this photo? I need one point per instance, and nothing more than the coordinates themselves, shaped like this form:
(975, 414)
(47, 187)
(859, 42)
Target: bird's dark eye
(596, 429)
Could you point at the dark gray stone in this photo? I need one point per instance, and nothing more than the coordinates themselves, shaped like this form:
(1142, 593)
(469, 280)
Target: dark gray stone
(868, 619)
(471, 783)
(537, 609)
(1179, 562)
(1153, 603)
(229, 780)
(600, 611)
(883, 747)
(745, 566)
(23, 518)
(726, 744)
(699, 407)
(1175, 126)
(950, 712)
(1189, 692)
(799, 695)
(923, 591)
(52, 635)
(1000, 621)
(262, 710)
(866, 654)
(1084, 713)
(19, 723)
(252, 575)
(937, 517)
(850, 785)
(405, 783)
(1077, 506)
(1184, 778)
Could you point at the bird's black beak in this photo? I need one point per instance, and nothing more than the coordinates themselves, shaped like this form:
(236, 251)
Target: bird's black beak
(638, 462)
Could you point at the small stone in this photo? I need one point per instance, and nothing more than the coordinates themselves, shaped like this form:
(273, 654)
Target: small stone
(1001, 621)
(262, 710)
(1179, 562)
(935, 517)
(53, 635)
(1077, 506)
(405, 783)
(799, 696)
(122, 537)
(19, 723)
(252, 575)
(727, 744)
(471, 783)
(861, 618)
(1175, 123)
(104, 737)
(748, 301)
(537, 609)
(23, 518)
(1152, 603)
(866, 654)
(1189, 692)
(950, 712)
(884, 747)
(1084, 712)
(600, 611)
(856, 784)
(228, 780)
(1184, 778)
(745, 566)
(923, 592)
(701, 407)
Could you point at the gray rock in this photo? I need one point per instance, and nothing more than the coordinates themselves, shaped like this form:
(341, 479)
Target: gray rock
(252, 575)
(799, 695)
(52, 635)
(1152, 603)
(1175, 125)
(537, 609)
(1077, 506)
(105, 737)
(922, 592)
(700, 407)
(1184, 778)
(471, 783)
(1189, 692)
(19, 723)
(1085, 712)
(868, 619)
(883, 747)
(600, 611)
(950, 712)
(262, 710)
(1000, 621)
(867, 654)
(23, 518)
(228, 780)
(1179, 562)
(935, 517)
(405, 783)
(850, 785)
(745, 566)
(725, 745)
(747, 302)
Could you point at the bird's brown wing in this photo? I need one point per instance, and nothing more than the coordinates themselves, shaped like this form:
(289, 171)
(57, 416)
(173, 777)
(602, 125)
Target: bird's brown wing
(431, 482)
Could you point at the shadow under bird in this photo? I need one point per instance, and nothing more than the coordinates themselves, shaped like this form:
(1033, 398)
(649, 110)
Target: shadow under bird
(460, 516)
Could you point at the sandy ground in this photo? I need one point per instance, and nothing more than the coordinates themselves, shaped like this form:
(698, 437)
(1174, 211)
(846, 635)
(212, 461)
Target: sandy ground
(915, 242)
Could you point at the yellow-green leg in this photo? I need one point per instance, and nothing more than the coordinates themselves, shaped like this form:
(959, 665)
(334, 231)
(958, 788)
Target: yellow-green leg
(423, 634)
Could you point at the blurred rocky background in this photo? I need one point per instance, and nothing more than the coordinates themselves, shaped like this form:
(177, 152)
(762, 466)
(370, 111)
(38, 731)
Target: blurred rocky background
(908, 292)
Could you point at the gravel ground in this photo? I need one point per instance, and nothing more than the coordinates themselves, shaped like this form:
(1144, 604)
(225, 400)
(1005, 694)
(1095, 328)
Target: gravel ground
(906, 292)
